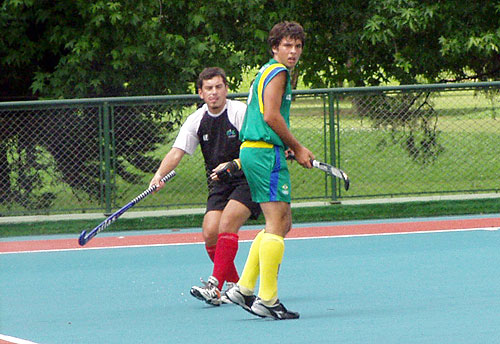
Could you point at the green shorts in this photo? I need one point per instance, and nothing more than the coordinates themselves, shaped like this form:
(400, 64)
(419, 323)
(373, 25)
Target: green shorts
(266, 171)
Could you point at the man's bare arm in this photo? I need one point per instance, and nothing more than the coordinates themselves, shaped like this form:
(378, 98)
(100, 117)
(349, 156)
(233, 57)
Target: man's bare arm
(169, 162)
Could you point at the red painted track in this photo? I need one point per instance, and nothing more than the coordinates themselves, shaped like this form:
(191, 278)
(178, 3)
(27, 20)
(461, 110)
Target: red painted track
(296, 232)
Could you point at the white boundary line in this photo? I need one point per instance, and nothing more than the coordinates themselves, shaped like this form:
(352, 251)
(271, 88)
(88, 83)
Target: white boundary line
(491, 229)
(108, 247)
(299, 238)
(15, 340)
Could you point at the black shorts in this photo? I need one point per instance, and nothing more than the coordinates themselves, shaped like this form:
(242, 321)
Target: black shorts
(221, 193)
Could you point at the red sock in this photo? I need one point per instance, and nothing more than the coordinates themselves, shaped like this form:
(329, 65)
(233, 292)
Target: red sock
(211, 251)
(224, 269)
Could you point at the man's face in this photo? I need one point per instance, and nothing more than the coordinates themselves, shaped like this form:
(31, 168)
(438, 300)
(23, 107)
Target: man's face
(288, 52)
(214, 93)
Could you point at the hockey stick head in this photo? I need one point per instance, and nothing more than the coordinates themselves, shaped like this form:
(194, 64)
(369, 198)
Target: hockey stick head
(333, 171)
(347, 182)
(329, 169)
(82, 240)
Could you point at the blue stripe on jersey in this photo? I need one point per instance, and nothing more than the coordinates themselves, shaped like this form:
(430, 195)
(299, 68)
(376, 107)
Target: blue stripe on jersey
(272, 75)
(266, 77)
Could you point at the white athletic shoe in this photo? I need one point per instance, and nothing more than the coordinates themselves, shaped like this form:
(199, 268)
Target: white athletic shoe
(208, 292)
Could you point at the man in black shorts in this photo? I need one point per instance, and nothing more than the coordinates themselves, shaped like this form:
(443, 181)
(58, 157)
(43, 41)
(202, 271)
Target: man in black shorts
(215, 127)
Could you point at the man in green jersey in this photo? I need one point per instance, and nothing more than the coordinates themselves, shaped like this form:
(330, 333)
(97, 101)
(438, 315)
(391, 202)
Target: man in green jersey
(266, 142)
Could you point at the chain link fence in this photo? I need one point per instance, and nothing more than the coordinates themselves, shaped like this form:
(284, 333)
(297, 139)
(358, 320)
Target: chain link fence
(420, 141)
(95, 155)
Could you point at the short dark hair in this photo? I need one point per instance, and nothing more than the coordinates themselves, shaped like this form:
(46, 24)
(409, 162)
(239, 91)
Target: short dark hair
(285, 29)
(209, 73)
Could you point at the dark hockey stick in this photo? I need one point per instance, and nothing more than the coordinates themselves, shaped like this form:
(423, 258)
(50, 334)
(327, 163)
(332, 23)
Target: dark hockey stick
(85, 238)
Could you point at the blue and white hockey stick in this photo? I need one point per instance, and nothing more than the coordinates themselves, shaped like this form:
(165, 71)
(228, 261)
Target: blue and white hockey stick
(85, 238)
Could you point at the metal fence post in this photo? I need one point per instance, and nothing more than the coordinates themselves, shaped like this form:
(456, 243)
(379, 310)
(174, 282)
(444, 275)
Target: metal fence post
(107, 157)
(331, 113)
(337, 142)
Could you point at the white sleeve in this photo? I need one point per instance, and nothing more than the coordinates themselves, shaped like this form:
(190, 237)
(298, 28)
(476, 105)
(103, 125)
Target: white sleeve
(236, 113)
(187, 139)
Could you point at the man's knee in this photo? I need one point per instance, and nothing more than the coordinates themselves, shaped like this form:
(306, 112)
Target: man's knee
(233, 217)
(210, 236)
(210, 228)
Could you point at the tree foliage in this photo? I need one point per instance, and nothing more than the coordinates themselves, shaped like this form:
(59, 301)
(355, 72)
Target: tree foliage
(76, 49)
(436, 40)
(115, 48)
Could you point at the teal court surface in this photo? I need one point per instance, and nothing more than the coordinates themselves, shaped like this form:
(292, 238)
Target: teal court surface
(403, 281)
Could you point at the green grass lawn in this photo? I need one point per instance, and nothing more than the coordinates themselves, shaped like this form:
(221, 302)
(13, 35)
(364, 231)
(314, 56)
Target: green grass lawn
(334, 212)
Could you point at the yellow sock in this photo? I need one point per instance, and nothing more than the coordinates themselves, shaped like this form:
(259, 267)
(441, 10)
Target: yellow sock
(250, 273)
(272, 248)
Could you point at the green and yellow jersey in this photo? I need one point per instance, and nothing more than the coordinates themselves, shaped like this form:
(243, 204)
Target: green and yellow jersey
(254, 127)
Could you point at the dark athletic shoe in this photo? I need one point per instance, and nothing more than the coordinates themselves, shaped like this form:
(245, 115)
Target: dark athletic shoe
(277, 311)
(235, 296)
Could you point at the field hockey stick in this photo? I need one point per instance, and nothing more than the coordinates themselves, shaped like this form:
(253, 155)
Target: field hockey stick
(329, 169)
(84, 238)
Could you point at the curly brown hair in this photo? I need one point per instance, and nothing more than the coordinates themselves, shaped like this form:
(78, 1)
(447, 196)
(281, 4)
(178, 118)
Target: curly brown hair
(285, 29)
